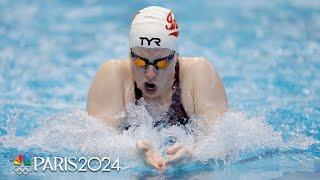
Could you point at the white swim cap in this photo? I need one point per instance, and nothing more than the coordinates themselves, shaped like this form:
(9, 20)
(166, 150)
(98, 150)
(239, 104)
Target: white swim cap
(154, 27)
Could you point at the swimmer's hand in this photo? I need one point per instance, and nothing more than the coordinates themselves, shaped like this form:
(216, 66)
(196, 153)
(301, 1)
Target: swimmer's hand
(151, 156)
(178, 153)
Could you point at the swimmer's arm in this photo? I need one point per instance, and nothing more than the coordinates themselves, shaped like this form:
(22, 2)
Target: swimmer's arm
(105, 98)
(209, 94)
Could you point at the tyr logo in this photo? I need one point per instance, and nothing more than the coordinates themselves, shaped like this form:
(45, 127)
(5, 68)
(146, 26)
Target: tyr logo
(172, 25)
(155, 40)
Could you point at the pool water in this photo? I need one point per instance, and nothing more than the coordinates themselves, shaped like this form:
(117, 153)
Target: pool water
(267, 53)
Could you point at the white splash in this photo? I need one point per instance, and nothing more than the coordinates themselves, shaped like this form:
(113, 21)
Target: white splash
(77, 132)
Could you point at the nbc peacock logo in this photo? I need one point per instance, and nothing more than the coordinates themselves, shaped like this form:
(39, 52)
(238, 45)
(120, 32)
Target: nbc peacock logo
(22, 164)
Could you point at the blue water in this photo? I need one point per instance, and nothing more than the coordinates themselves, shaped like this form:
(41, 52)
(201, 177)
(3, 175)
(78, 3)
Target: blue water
(267, 53)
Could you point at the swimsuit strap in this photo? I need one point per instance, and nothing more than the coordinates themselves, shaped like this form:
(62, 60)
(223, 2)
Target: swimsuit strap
(177, 115)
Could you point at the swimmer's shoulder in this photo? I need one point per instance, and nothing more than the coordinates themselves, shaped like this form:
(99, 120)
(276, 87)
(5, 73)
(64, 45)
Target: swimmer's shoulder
(195, 69)
(189, 70)
(193, 60)
(107, 91)
(117, 68)
(113, 73)
(193, 64)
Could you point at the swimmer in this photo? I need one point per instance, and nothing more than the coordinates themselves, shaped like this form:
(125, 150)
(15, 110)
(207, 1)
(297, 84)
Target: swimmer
(173, 86)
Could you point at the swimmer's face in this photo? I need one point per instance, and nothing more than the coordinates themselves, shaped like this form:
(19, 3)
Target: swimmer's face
(154, 82)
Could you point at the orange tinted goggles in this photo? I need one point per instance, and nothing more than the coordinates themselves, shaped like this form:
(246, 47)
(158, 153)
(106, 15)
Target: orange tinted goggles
(161, 63)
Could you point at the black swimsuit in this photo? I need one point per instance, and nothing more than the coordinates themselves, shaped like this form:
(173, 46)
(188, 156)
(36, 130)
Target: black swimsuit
(176, 113)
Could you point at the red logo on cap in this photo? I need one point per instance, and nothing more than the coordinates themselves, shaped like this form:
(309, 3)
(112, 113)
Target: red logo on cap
(172, 25)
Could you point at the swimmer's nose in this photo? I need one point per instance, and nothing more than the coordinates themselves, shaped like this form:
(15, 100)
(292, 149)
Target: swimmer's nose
(151, 72)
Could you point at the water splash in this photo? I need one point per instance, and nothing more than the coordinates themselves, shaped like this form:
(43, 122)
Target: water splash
(79, 133)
